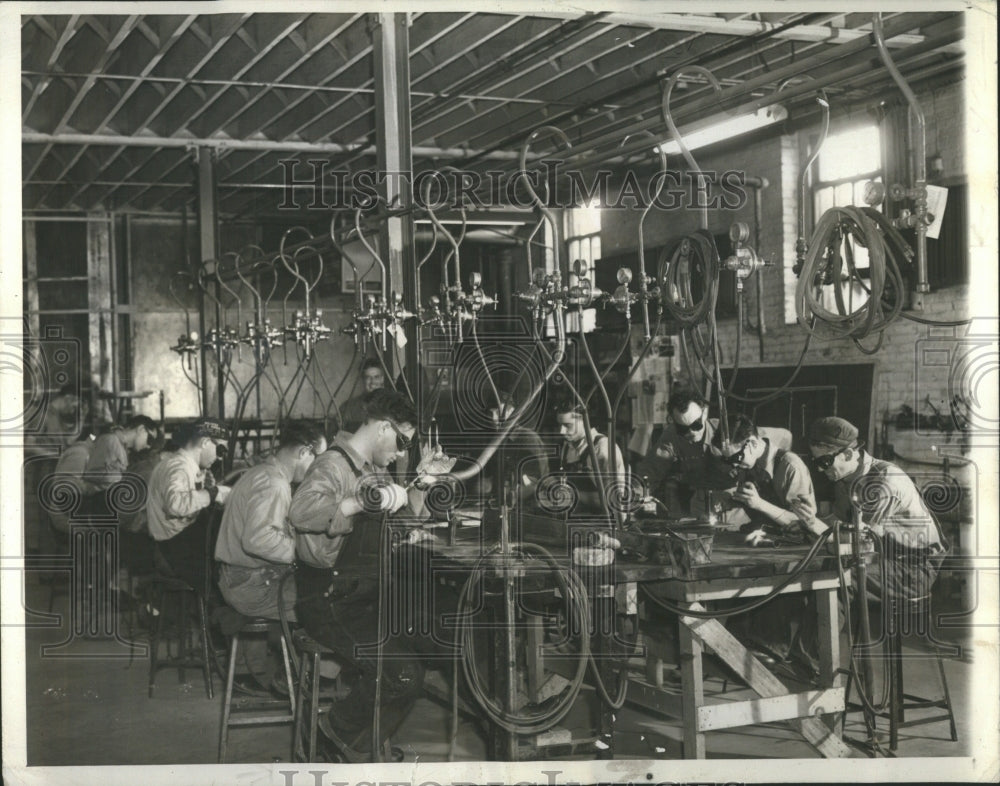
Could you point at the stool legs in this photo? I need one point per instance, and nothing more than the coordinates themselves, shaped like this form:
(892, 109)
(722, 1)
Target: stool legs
(288, 673)
(206, 664)
(947, 696)
(228, 700)
(314, 707)
(183, 636)
(298, 753)
(170, 601)
(261, 713)
(895, 646)
(898, 695)
(308, 694)
(156, 602)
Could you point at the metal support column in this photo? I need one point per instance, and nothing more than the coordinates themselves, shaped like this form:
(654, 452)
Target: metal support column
(209, 249)
(393, 142)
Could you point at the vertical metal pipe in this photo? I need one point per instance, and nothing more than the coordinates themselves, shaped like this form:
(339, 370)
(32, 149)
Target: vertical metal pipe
(758, 220)
(209, 245)
(393, 136)
(918, 160)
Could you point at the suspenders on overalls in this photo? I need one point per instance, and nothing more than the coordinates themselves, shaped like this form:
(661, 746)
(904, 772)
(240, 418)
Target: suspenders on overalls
(357, 566)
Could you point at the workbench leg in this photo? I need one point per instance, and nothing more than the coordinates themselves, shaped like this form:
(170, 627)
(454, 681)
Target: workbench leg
(829, 644)
(535, 638)
(693, 691)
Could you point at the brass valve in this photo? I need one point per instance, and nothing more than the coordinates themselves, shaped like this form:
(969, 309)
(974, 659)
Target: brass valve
(744, 260)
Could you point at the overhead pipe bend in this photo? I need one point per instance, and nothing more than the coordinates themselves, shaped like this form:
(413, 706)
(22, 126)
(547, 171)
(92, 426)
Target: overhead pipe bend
(546, 210)
(920, 165)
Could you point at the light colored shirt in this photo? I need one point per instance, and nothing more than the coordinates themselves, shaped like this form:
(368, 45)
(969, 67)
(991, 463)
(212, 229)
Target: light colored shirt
(255, 532)
(107, 463)
(69, 468)
(174, 498)
(315, 510)
(793, 484)
(889, 503)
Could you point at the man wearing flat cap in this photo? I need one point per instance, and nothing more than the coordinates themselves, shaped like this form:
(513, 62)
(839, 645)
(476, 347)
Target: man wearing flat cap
(181, 488)
(887, 502)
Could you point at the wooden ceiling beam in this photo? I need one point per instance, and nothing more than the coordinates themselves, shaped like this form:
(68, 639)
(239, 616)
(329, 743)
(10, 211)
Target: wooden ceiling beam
(212, 46)
(260, 52)
(124, 30)
(68, 31)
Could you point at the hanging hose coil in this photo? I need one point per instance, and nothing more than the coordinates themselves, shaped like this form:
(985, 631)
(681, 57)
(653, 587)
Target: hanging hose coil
(696, 253)
(843, 228)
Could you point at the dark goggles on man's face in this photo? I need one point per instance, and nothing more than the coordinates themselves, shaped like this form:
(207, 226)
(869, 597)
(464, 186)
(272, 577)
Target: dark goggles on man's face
(698, 425)
(737, 457)
(403, 443)
(824, 462)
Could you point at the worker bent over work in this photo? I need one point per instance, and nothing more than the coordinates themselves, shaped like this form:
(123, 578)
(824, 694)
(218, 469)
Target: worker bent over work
(341, 515)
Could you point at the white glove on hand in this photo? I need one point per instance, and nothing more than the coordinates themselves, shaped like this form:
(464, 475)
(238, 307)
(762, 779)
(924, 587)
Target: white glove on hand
(223, 494)
(433, 461)
(393, 497)
(758, 538)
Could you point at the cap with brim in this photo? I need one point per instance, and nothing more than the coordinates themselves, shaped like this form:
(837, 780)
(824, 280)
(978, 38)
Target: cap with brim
(212, 429)
(833, 431)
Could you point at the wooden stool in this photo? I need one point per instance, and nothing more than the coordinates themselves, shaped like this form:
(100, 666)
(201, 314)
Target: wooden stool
(912, 615)
(262, 712)
(169, 596)
(311, 652)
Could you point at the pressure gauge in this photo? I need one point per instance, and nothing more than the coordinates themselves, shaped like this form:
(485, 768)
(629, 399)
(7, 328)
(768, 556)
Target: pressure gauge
(475, 280)
(624, 275)
(538, 276)
(739, 233)
(580, 267)
(874, 193)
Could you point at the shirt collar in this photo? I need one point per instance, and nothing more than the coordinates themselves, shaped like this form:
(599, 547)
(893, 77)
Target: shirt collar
(707, 433)
(764, 462)
(342, 442)
(279, 467)
(184, 457)
(864, 467)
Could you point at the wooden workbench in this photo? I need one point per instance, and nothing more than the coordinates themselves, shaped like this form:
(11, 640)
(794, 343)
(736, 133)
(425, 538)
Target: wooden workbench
(735, 572)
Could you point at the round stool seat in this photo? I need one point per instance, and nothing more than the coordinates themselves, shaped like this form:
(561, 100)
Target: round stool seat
(256, 625)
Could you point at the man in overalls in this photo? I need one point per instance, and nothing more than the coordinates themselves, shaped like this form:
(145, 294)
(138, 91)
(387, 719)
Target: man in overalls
(586, 463)
(343, 545)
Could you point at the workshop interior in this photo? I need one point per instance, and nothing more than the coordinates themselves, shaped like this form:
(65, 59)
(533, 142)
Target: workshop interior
(638, 345)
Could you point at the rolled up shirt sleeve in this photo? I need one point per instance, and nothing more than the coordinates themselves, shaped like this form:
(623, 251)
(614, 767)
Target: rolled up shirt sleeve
(794, 483)
(181, 500)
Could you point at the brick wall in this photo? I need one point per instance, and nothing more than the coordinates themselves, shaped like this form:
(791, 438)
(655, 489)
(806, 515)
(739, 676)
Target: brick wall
(906, 371)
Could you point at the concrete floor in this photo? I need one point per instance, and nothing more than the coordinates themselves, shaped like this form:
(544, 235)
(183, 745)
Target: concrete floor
(93, 710)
